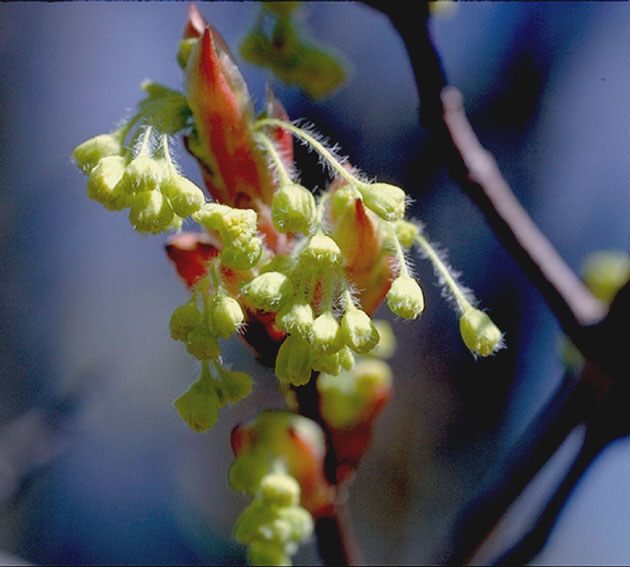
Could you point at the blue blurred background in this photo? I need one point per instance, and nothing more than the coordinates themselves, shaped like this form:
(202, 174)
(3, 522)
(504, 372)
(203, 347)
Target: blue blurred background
(85, 301)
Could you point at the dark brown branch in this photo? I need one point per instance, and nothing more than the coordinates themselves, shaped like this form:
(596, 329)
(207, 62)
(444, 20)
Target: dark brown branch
(582, 317)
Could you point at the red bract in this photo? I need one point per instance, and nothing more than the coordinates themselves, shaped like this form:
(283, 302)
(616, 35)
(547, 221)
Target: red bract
(235, 169)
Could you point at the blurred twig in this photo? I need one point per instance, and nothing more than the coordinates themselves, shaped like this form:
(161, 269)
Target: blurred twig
(599, 336)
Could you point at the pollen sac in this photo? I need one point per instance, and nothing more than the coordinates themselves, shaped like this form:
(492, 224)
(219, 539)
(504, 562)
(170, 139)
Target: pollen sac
(185, 197)
(321, 251)
(202, 343)
(387, 201)
(405, 298)
(102, 186)
(268, 291)
(294, 361)
(479, 333)
(359, 332)
(293, 209)
(90, 152)
(184, 320)
(150, 212)
(227, 315)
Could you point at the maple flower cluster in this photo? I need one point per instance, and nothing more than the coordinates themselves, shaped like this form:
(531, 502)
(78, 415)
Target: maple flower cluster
(297, 275)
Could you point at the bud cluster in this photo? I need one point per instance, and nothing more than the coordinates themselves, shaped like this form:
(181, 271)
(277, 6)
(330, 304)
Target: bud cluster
(199, 405)
(279, 463)
(274, 523)
(146, 182)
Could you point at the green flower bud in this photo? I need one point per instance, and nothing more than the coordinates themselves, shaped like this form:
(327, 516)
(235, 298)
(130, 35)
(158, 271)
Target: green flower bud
(185, 48)
(236, 384)
(300, 521)
(143, 174)
(255, 522)
(202, 343)
(102, 186)
(185, 197)
(150, 212)
(387, 201)
(321, 250)
(183, 320)
(279, 489)
(296, 319)
(359, 332)
(605, 272)
(294, 361)
(405, 297)
(231, 223)
(243, 253)
(293, 209)
(268, 291)
(333, 364)
(226, 314)
(406, 233)
(343, 198)
(199, 405)
(246, 472)
(90, 152)
(327, 336)
(479, 333)
(265, 553)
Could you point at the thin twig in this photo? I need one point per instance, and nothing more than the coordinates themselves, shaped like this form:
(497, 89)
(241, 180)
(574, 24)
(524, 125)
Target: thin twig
(598, 335)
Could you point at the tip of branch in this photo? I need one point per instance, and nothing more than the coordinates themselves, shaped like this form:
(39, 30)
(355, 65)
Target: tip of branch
(452, 99)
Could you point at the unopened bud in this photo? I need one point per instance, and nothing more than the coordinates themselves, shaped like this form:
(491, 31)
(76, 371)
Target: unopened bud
(300, 521)
(268, 291)
(242, 253)
(405, 297)
(227, 315)
(261, 552)
(293, 209)
(279, 489)
(333, 364)
(142, 174)
(479, 333)
(296, 319)
(150, 212)
(183, 320)
(294, 361)
(327, 336)
(199, 405)
(102, 186)
(359, 332)
(236, 384)
(202, 343)
(321, 250)
(185, 197)
(387, 201)
(90, 152)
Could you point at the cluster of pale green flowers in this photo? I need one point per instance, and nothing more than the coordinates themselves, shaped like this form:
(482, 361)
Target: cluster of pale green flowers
(144, 180)
(274, 523)
(314, 302)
